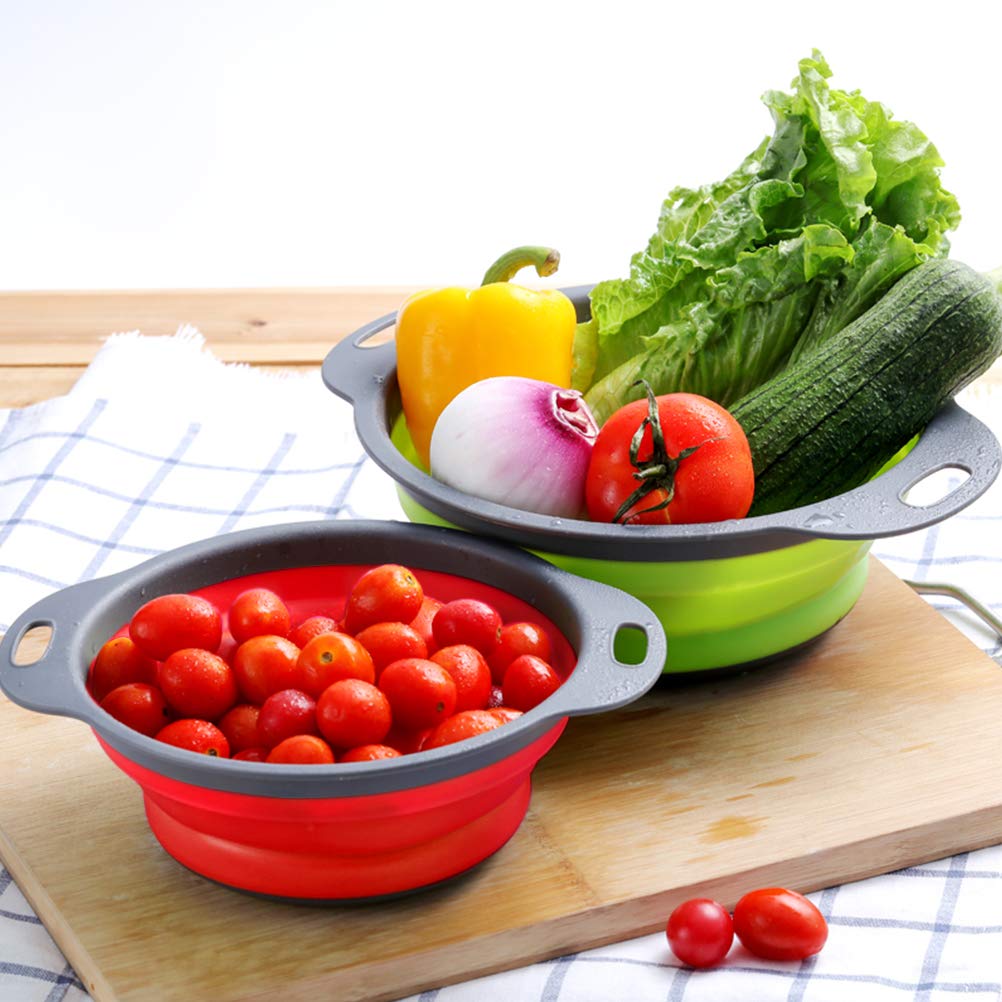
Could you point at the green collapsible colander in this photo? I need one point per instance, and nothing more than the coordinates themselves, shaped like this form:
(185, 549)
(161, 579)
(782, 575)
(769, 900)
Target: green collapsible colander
(729, 594)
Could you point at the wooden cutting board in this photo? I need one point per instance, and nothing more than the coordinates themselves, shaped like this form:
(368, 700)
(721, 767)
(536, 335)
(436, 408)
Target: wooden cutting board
(869, 751)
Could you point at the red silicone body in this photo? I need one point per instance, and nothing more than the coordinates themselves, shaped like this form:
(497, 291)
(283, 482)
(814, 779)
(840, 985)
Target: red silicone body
(347, 847)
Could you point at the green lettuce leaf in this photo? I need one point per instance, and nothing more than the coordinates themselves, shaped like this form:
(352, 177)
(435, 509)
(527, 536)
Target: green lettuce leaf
(748, 274)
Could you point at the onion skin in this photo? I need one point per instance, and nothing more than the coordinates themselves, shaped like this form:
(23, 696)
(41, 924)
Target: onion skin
(518, 442)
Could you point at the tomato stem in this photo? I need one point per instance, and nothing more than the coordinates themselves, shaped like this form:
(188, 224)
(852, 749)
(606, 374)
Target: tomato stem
(658, 472)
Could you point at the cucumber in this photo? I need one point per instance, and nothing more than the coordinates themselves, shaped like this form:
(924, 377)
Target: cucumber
(832, 419)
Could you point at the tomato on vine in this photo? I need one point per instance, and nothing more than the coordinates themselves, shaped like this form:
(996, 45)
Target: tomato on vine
(674, 459)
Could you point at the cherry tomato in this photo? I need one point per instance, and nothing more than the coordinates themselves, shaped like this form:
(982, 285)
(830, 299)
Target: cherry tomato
(285, 714)
(385, 594)
(139, 706)
(239, 724)
(198, 683)
(777, 924)
(257, 612)
(468, 621)
(227, 647)
(352, 712)
(256, 754)
(388, 642)
(170, 623)
(117, 663)
(422, 622)
(505, 714)
(467, 724)
(312, 627)
(331, 657)
(700, 932)
(369, 753)
(196, 736)
(528, 680)
(263, 665)
(421, 693)
(302, 749)
(708, 462)
(496, 698)
(405, 741)
(518, 639)
(469, 671)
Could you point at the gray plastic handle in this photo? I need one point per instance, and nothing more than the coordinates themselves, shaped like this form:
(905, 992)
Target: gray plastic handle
(608, 684)
(353, 372)
(954, 439)
(53, 682)
(83, 616)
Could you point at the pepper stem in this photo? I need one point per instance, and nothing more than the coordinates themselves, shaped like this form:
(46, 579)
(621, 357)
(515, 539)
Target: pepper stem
(544, 259)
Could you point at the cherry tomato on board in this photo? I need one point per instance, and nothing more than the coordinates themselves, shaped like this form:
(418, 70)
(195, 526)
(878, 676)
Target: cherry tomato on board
(701, 451)
(777, 924)
(700, 932)
(170, 623)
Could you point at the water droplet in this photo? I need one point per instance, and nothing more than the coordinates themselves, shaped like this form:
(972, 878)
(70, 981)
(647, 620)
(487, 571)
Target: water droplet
(819, 521)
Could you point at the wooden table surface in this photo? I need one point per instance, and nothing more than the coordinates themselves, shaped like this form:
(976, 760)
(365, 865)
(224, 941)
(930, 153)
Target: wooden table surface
(48, 338)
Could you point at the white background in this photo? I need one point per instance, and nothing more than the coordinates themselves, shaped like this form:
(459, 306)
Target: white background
(252, 143)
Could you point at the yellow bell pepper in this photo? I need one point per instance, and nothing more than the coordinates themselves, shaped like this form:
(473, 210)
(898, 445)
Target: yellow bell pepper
(449, 338)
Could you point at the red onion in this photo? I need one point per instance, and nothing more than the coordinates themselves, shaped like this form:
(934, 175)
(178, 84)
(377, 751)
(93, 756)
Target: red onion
(519, 442)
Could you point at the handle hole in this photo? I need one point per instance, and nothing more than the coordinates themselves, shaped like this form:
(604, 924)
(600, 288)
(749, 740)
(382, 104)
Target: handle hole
(388, 333)
(629, 645)
(33, 646)
(935, 486)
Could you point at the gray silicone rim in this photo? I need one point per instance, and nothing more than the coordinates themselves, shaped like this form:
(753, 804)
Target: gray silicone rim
(366, 377)
(83, 616)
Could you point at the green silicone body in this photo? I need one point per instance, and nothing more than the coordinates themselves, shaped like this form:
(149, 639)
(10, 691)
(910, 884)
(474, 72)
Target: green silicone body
(717, 613)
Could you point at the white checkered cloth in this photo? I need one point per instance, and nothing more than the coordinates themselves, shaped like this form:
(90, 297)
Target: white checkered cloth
(159, 444)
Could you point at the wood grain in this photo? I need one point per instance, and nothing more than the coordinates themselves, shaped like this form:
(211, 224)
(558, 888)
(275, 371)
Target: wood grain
(864, 753)
(277, 326)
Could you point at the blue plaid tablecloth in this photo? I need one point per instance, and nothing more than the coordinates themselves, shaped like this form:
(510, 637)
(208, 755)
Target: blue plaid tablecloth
(159, 444)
